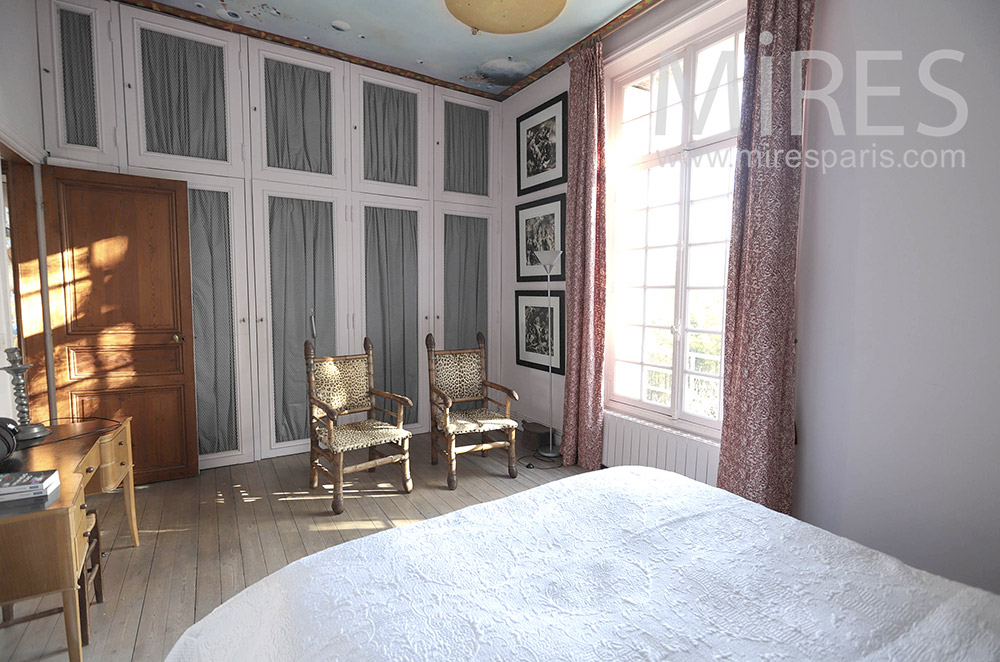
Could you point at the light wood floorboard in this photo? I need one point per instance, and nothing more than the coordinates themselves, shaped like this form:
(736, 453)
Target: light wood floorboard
(204, 539)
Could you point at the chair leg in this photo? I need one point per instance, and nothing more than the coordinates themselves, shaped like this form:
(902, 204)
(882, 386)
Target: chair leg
(511, 453)
(434, 447)
(452, 463)
(84, 600)
(313, 471)
(371, 456)
(483, 439)
(338, 483)
(97, 566)
(407, 479)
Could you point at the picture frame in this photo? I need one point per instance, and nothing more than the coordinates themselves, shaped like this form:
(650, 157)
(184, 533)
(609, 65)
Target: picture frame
(540, 225)
(542, 148)
(531, 329)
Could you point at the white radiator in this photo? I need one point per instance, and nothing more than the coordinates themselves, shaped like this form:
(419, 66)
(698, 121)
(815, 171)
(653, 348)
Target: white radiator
(629, 440)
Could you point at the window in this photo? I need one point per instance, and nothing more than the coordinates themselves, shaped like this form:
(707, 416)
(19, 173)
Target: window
(673, 125)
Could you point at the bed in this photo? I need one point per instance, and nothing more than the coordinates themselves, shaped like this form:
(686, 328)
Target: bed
(622, 564)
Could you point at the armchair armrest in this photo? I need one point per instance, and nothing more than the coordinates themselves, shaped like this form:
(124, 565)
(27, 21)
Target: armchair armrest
(511, 393)
(445, 400)
(401, 402)
(326, 409)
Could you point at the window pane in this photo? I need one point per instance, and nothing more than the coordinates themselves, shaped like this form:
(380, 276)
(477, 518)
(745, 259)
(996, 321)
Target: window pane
(634, 141)
(705, 309)
(658, 347)
(630, 229)
(627, 379)
(704, 353)
(707, 265)
(712, 174)
(660, 306)
(656, 385)
(628, 343)
(628, 305)
(667, 127)
(702, 396)
(715, 65)
(636, 99)
(76, 45)
(629, 268)
(741, 50)
(661, 266)
(672, 92)
(664, 185)
(710, 220)
(631, 189)
(664, 226)
(716, 111)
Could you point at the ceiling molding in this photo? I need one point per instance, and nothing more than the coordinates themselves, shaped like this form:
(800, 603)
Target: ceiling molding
(609, 27)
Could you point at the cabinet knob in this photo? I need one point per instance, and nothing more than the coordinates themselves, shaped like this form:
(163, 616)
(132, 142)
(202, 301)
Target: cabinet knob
(83, 506)
(124, 463)
(121, 443)
(86, 534)
(90, 470)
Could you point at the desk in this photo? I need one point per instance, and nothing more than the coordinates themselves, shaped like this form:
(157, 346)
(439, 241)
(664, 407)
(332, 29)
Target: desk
(42, 548)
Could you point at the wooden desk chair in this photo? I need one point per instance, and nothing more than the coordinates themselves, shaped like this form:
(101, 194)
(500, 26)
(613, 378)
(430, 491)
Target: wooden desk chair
(341, 385)
(459, 376)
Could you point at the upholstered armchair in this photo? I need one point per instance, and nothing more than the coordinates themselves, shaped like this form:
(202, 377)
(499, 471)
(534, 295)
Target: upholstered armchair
(459, 376)
(342, 385)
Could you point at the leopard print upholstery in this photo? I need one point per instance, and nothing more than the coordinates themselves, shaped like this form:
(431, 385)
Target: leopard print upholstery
(473, 420)
(363, 434)
(459, 375)
(342, 384)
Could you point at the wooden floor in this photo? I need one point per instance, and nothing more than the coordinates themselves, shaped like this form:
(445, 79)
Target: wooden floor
(204, 539)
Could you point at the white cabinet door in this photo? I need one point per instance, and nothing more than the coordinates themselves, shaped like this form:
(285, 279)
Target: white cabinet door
(394, 245)
(466, 148)
(184, 95)
(390, 134)
(298, 116)
(302, 271)
(466, 259)
(76, 43)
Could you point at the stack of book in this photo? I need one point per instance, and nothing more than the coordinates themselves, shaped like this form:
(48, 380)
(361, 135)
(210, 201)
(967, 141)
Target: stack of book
(28, 485)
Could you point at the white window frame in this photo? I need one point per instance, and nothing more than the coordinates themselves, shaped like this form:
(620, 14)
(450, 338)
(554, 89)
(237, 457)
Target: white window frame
(442, 95)
(268, 445)
(132, 21)
(105, 33)
(681, 39)
(425, 257)
(258, 52)
(442, 209)
(359, 76)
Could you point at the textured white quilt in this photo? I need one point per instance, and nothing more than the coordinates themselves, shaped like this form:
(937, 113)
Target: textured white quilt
(621, 564)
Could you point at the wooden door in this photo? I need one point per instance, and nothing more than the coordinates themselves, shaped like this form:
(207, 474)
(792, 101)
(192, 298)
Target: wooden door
(120, 296)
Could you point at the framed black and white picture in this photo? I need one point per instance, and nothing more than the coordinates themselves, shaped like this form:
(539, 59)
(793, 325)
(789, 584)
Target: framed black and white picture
(531, 324)
(540, 225)
(541, 146)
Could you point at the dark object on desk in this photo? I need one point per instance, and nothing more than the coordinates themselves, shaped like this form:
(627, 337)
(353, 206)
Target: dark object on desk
(8, 437)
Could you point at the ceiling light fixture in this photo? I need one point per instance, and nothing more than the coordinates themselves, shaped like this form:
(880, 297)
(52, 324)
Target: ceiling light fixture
(505, 16)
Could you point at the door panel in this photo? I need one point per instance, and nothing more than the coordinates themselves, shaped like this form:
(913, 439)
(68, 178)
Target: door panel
(120, 297)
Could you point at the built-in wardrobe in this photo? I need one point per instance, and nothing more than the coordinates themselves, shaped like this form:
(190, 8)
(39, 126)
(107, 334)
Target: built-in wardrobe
(327, 202)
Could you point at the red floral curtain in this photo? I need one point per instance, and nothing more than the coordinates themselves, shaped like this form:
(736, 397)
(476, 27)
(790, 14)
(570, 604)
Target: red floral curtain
(583, 412)
(758, 425)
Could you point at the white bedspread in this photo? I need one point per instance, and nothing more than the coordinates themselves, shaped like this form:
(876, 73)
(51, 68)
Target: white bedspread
(621, 564)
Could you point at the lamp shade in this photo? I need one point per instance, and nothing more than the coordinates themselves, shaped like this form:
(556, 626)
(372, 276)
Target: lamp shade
(505, 16)
(547, 259)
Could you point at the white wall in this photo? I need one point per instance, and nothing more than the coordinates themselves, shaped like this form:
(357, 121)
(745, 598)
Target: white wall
(899, 310)
(531, 385)
(20, 95)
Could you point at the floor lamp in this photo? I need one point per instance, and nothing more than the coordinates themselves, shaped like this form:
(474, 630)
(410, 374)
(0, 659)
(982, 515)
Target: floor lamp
(548, 261)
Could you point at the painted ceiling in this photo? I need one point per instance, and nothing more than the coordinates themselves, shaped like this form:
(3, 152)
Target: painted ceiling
(418, 36)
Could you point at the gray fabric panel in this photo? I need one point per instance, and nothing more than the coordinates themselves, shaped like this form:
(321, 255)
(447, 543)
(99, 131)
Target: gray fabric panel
(302, 292)
(298, 117)
(390, 135)
(76, 46)
(466, 149)
(184, 96)
(465, 281)
(212, 301)
(391, 286)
